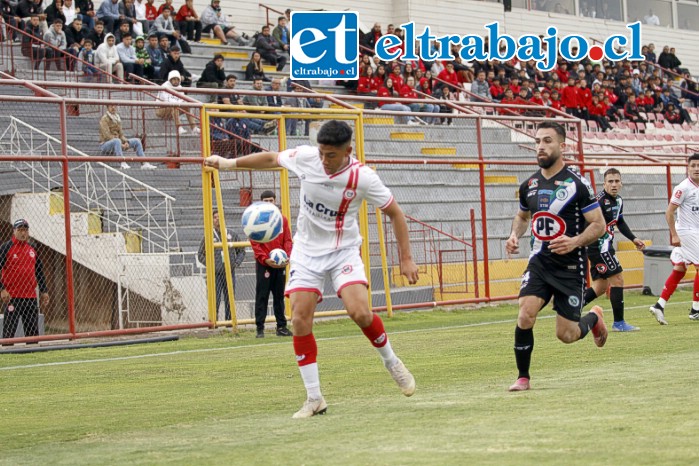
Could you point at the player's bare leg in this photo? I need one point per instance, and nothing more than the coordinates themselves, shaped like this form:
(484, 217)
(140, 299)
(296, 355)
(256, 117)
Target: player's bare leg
(357, 304)
(303, 305)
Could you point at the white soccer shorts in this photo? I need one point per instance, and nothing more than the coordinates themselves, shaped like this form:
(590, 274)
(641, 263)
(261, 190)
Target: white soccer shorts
(688, 252)
(307, 273)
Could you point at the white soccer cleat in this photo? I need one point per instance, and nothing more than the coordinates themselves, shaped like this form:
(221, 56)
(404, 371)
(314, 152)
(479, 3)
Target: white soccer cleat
(658, 313)
(403, 378)
(311, 407)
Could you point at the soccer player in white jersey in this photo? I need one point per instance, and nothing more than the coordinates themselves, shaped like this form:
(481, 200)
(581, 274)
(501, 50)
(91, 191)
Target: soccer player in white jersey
(327, 241)
(684, 233)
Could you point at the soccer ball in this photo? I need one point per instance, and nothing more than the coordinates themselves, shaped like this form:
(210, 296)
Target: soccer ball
(278, 256)
(262, 222)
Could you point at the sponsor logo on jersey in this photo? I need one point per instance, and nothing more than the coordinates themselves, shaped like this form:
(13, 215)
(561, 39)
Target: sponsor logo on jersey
(547, 226)
(545, 198)
(562, 183)
(574, 301)
(606, 202)
(533, 183)
(318, 208)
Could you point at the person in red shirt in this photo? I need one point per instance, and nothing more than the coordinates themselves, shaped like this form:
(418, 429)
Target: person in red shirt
(167, 3)
(271, 277)
(598, 112)
(151, 12)
(188, 21)
(521, 99)
(584, 98)
(514, 85)
(450, 77)
(569, 98)
(22, 272)
(496, 90)
(509, 98)
(396, 77)
(367, 81)
(562, 72)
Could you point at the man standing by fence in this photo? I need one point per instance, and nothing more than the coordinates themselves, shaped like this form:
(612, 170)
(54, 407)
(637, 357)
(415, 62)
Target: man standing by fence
(22, 271)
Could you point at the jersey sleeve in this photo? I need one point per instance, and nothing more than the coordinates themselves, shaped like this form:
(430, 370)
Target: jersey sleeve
(289, 159)
(377, 193)
(523, 188)
(678, 195)
(587, 200)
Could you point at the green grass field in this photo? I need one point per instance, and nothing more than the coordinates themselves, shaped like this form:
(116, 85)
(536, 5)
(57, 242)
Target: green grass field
(229, 399)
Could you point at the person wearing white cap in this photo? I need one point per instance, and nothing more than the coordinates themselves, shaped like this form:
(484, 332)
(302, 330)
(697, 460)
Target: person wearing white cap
(167, 95)
(21, 273)
(113, 141)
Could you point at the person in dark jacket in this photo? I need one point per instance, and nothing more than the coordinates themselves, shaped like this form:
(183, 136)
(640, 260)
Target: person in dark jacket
(87, 10)
(76, 33)
(55, 11)
(32, 41)
(9, 14)
(22, 272)
(97, 35)
(173, 62)
(236, 257)
(214, 75)
(271, 50)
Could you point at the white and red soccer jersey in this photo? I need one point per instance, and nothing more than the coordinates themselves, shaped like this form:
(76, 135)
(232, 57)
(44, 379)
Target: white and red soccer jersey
(329, 203)
(686, 196)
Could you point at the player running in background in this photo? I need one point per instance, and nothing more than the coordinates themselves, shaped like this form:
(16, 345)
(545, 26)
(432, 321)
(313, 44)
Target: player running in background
(684, 233)
(559, 202)
(605, 268)
(327, 241)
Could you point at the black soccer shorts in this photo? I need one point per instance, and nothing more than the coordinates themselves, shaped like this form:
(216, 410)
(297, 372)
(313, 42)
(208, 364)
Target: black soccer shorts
(603, 264)
(566, 285)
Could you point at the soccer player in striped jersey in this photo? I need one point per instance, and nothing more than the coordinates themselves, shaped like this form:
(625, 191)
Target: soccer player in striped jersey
(560, 208)
(327, 241)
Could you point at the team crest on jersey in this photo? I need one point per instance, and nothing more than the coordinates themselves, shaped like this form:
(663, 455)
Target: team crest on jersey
(574, 301)
(547, 226)
(533, 183)
(31, 254)
(601, 268)
(347, 269)
(349, 194)
(561, 194)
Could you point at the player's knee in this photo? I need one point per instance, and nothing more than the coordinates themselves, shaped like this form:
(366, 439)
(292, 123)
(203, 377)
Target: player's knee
(525, 321)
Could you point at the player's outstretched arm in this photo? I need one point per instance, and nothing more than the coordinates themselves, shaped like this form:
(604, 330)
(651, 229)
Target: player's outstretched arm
(400, 230)
(259, 160)
(519, 226)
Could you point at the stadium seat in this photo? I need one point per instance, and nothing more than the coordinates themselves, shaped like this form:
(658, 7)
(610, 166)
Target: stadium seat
(592, 125)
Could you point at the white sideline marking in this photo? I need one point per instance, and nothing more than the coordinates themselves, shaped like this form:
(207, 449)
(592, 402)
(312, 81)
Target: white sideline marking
(229, 348)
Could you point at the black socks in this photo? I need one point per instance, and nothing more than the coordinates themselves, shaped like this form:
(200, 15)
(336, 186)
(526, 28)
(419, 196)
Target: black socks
(524, 345)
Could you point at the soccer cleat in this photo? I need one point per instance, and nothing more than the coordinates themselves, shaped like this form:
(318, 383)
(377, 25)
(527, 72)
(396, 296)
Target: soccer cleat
(403, 378)
(520, 385)
(311, 407)
(693, 315)
(622, 326)
(659, 313)
(599, 331)
(284, 332)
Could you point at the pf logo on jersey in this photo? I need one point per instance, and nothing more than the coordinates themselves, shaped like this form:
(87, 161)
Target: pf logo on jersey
(547, 226)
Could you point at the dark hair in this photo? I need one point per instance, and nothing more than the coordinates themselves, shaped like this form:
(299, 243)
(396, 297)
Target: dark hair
(167, 8)
(267, 194)
(88, 41)
(335, 133)
(231, 76)
(125, 35)
(611, 171)
(99, 23)
(692, 158)
(281, 18)
(560, 130)
(217, 56)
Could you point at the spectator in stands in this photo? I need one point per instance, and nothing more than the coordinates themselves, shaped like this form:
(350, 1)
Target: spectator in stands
(265, 126)
(127, 14)
(151, 13)
(76, 33)
(22, 272)
(669, 98)
(27, 8)
(188, 21)
(281, 32)
(272, 99)
(213, 19)
(669, 61)
(449, 76)
(97, 35)
(70, 11)
(214, 75)
(650, 56)
(168, 95)
(672, 115)
(155, 54)
(230, 98)
(690, 90)
(387, 91)
(128, 58)
(174, 63)
(122, 30)
(408, 92)
(444, 94)
(165, 26)
(651, 19)
(55, 11)
(292, 124)
(569, 98)
(31, 46)
(271, 50)
(86, 64)
(57, 38)
(107, 57)
(108, 13)
(598, 113)
(631, 111)
(480, 90)
(87, 11)
(397, 77)
(8, 14)
(271, 276)
(255, 68)
(113, 141)
(141, 12)
(369, 39)
(142, 54)
(497, 92)
(236, 257)
(368, 83)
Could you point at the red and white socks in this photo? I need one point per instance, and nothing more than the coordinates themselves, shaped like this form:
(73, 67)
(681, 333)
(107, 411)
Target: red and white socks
(376, 334)
(306, 353)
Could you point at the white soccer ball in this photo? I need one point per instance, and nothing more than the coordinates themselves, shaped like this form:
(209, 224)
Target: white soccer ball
(278, 256)
(262, 222)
